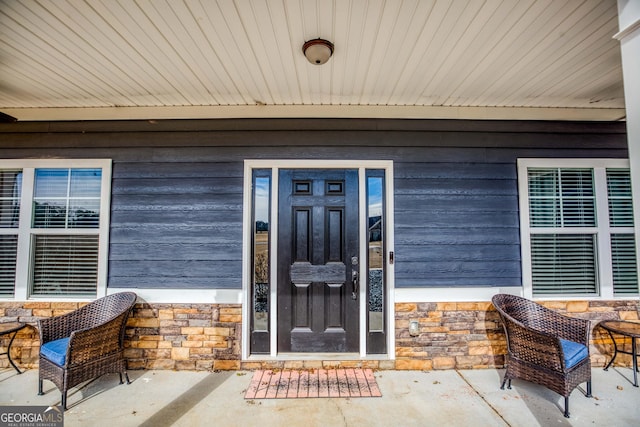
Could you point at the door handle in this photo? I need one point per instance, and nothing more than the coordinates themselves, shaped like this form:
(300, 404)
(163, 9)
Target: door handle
(354, 277)
(354, 284)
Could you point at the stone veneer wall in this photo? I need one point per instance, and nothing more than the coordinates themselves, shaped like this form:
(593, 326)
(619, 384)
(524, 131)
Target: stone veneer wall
(184, 337)
(463, 335)
(453, 335)
(158, 336)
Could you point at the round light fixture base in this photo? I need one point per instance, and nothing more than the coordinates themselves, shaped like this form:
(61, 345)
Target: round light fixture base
(318, 51)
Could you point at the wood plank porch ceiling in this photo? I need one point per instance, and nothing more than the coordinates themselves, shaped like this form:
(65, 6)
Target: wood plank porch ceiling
(99, 59)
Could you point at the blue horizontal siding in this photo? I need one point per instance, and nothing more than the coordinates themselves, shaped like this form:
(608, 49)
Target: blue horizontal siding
(176, 225)
(456, 224)
(176, 203)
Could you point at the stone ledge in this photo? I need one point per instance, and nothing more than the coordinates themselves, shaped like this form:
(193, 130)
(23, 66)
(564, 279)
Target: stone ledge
(205, 336)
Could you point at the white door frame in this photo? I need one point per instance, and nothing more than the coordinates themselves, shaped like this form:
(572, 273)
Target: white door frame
(275, 166)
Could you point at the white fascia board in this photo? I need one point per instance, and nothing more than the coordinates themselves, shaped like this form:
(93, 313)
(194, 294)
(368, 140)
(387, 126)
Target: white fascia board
(316, 111)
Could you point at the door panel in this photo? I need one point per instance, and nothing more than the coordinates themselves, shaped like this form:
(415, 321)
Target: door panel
(317, 249)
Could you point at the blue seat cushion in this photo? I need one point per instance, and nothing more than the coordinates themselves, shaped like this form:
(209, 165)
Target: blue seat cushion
(56, 351)
(574, 353)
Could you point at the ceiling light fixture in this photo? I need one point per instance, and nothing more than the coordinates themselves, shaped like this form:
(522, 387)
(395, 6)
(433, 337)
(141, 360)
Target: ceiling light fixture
(318, 51)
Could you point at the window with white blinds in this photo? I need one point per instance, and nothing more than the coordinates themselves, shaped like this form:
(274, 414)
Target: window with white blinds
(65, 265)
(8, 252)
(10, 194)
(54, 218)
(577, 228)
(623, 259)
(564, 264)
(623, 243)
(619, 197)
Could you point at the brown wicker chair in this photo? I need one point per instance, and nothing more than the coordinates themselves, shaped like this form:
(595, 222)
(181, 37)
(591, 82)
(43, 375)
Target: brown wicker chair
(544, 347)
(84, 344)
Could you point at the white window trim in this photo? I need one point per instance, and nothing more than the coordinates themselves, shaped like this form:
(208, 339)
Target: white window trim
(602, 231)
(25, 230)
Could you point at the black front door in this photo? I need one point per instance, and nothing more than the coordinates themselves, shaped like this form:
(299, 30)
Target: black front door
(318, 261)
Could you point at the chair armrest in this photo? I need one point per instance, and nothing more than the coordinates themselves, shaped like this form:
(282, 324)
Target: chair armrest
(534, 346)
(92, 343)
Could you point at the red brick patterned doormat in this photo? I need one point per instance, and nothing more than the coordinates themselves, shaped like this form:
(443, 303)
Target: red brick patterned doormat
(289, 384)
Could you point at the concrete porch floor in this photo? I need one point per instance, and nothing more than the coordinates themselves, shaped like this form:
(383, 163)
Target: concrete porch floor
(409, 398)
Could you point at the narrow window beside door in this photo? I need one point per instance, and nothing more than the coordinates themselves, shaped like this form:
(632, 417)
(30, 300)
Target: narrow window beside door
(260, 255)
(375, 263)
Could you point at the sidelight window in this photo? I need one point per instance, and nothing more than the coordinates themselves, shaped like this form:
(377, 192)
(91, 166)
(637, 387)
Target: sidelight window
(260, 261)
(375, 262)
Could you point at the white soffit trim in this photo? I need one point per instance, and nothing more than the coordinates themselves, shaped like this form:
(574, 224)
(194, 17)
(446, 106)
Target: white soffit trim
(316, 111)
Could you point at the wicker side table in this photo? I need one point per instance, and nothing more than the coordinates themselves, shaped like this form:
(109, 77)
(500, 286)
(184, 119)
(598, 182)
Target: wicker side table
(626, 329)
(7, 328)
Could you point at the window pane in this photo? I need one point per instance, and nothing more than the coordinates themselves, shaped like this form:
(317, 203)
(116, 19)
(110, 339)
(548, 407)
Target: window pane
(620, 200)
(375, 253)
(261, 198)
(50, 198)
(623, 257)
(578, 213)
(576, 183)
(51, 183)
(65, 265)
(544, 201)
(578, 203)
(8, 252)
(85, 183)
(563, 264)
(545, 213)
(10, 190)
(49, 213)
(84, 213)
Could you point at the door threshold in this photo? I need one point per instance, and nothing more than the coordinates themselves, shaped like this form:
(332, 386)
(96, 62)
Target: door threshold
(318, 356)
